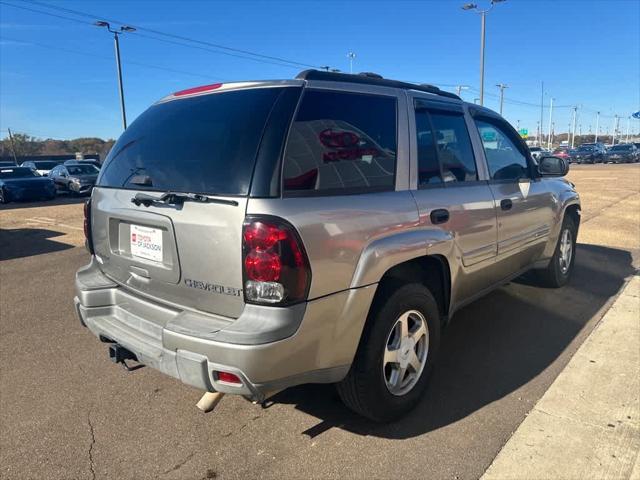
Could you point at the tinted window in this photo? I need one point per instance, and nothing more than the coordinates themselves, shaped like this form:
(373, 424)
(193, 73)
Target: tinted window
(341, 141)
(202, 144)
(504, 158)
(428, 164)
(18, 172)
(454, 148)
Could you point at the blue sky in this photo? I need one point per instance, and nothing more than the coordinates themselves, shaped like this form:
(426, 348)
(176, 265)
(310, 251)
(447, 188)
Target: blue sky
(57, 76)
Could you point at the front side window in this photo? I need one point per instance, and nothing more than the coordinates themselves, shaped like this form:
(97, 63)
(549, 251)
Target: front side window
(504, 158)
(340, 143)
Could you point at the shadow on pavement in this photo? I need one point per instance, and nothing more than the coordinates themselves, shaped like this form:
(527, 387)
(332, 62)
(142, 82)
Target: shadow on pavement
(491, 348)
(25, 242)
(60, 200)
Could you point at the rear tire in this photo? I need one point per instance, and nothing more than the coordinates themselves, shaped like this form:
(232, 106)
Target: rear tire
(389, 375)
(558, 272)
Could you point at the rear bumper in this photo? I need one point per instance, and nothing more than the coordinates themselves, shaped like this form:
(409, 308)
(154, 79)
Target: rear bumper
(268, 348)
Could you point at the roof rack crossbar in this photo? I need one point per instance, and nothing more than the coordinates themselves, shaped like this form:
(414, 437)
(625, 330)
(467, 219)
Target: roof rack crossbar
(368, 78)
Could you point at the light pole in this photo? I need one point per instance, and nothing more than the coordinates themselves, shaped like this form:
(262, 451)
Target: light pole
(352, 57)
(628, 124)
(615, 130)
(502, 86)
(573, 130)
(116, 34)
(597, 126)
(483, 13)
(550, 121)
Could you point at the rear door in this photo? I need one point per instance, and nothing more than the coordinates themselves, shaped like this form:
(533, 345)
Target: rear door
(186, 254)
(451, 193)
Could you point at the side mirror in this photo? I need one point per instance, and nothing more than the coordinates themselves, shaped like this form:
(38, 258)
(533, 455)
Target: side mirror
(553, 166)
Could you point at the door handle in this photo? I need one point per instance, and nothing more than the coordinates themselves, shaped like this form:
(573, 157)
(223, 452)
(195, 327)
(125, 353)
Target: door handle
(506, 204)
(439, 215)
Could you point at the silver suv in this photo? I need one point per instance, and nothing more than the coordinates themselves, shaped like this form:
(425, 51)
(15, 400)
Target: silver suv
(247, 237)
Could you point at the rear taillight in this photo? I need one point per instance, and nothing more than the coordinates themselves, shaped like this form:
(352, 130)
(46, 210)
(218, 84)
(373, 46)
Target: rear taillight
(87, 226)
(275, 266)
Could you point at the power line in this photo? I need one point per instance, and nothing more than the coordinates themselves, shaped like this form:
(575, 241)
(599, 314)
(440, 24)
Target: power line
(78, 52)
(241, 53)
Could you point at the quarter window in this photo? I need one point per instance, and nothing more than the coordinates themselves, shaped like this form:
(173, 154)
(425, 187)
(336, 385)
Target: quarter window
(505, 159)
(341, 142)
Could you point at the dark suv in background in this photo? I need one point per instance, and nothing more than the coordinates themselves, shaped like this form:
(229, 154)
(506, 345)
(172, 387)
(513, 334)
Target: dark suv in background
(590, 153)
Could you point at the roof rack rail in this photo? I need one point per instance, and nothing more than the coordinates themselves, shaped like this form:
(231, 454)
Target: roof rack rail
(368, 78)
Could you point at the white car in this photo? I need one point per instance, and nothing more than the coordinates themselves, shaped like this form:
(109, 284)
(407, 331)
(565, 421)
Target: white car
(538, 152)
(43, 167)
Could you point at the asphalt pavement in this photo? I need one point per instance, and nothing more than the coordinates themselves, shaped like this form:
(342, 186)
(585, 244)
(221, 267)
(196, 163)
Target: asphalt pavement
(67, 412)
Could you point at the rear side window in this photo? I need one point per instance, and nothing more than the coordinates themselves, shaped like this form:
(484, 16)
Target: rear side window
(445, 153)
(341, 143)
(203, 144)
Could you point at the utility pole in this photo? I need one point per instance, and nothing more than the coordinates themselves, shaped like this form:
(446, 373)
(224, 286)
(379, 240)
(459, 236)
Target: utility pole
(538, 133)
(550, 122)
(352, 57)
(502, 86)
(573, 130)
(580, 131)
(518, 125)
(541, 106)
(116, 42)
(615, 130)
(569, 135)
(13, 147)
(597, 126)
(459, 89)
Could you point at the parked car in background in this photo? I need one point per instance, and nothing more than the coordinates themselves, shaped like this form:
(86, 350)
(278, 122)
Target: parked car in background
(246, 238)
(95, 163)
(77, 179)
(590, 153)
(538, 152)
(562, 152)
(8, 164)
(24, 183)
(43, 167)
(623, 153)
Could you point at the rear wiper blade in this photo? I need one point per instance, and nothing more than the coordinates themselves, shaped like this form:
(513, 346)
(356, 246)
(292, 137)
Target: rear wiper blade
(177, 198)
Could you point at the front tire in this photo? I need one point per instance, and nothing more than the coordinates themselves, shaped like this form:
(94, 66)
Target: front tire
(396, 354)
(558, 272)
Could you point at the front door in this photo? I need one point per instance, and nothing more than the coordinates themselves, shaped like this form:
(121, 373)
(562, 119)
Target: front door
(523, 203)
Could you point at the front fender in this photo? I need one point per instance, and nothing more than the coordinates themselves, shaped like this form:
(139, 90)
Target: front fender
(384, 253)
(566, 199)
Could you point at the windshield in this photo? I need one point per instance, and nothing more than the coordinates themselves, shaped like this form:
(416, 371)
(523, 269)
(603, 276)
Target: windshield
(18, 172)
(82, 170)
(587, 148)
(535, 149)
(620, 148)
(203, 144)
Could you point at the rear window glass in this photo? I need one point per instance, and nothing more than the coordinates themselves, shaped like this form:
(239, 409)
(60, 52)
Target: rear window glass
(17, 172)
(82, 170)
(204, 144)
(340, 143)
(46, 165)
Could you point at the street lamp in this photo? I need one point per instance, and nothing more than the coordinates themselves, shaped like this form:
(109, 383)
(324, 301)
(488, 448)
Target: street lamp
(116, 34)
(352, 57)
(474, 6)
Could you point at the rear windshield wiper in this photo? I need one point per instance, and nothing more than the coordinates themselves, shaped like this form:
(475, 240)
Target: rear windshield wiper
(177, 198)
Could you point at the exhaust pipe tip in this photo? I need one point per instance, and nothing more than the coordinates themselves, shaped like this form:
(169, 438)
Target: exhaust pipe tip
(209, 401)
